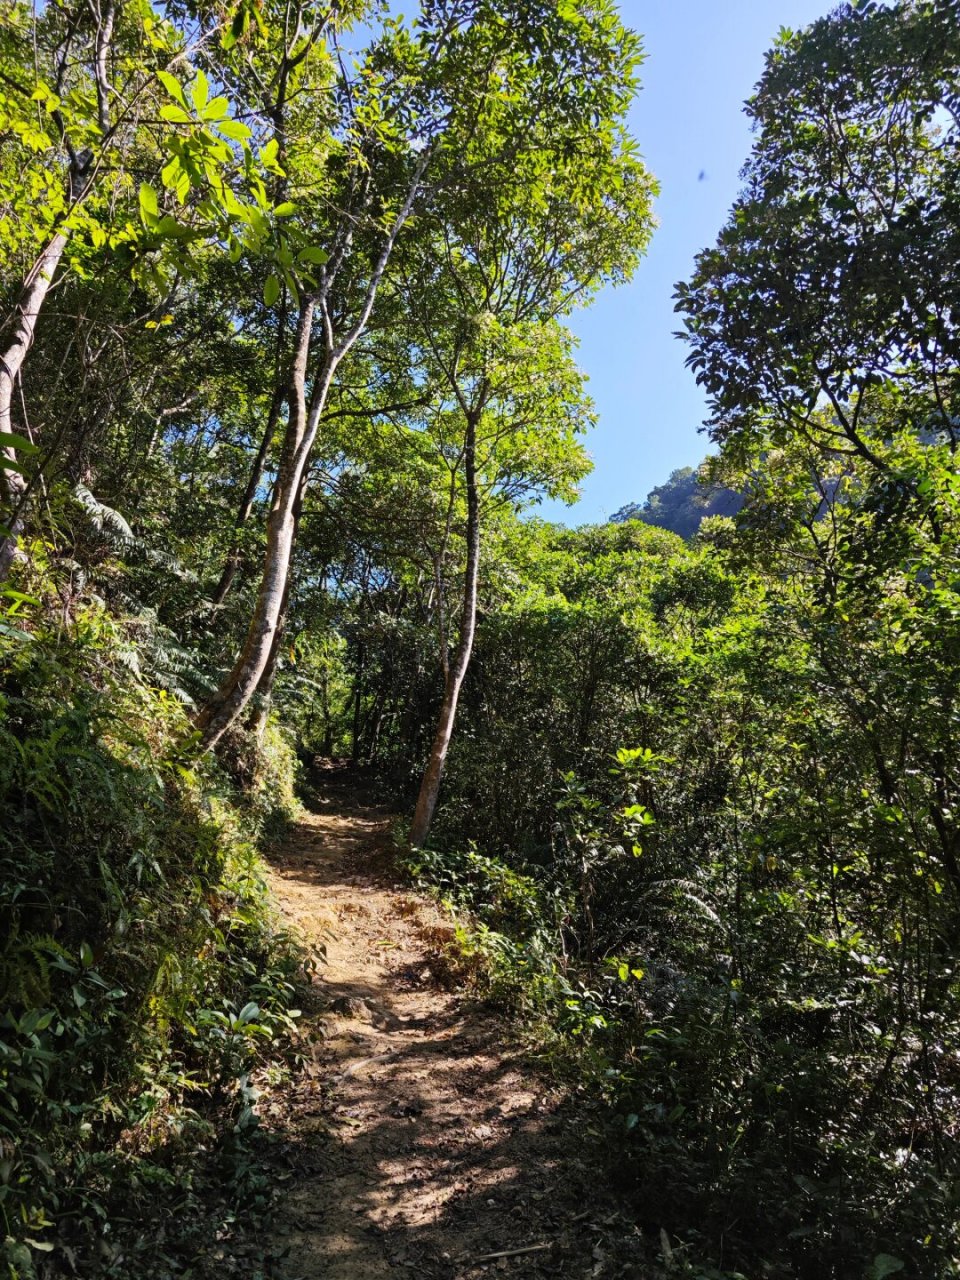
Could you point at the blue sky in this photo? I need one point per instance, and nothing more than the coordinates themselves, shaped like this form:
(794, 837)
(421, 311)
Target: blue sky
(703, 59)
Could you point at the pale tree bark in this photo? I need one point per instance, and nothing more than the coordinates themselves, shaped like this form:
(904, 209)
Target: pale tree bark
(14, 489)
(276, 111)
(237, 690)
(232, 563)
(13, 485)
(263, 695)
(233, 696)
(456, 669)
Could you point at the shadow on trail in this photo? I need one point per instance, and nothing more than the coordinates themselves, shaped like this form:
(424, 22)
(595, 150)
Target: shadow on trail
(417, 1141)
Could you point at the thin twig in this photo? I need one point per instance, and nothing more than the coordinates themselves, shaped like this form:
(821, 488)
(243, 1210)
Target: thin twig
(511, 1253)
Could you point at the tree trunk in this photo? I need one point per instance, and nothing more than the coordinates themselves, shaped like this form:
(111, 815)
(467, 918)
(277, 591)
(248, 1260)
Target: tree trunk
(234, 694)
(14, 489)
(430, 786)
(263, 697)
(246, 504)
(13, 486)
(357, 703)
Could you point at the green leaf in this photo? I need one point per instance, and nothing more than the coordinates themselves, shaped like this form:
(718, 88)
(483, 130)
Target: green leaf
(12, 440)
(285, 209)
(172, 86)
(271, 290)
(241, 20)
(885, 1264)
(175, 115)
(148, 200)
(234, 129)
(200, 91)
(216, 109)
(316, 256)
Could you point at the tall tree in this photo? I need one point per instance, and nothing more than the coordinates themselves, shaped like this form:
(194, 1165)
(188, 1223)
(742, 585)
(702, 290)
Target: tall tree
(474, 92)
(837, 272)
(507, 429)
(536, 231)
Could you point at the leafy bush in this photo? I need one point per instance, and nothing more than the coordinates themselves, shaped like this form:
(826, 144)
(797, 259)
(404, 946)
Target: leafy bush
(142, 973)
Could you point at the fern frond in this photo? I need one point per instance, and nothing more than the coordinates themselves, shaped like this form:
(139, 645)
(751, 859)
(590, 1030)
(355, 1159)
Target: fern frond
(103, 518)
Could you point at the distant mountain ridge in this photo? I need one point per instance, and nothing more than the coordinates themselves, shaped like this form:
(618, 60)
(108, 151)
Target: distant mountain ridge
(681, 503)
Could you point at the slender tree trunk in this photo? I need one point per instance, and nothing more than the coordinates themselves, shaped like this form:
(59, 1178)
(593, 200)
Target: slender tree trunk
(13, 486)
(240, 685)
(233, 696)
(357, 702)
(430, 786)
(326, 746)
(249, 495)
(263, 697)
(14, 489)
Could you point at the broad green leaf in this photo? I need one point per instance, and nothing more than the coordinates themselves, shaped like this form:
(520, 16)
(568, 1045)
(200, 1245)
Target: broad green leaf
(885, 1264)
(174, 115)
(148, 200)
(271, 290)
(171, 172)
(216, 109)
(172, 86)
(200, 91)
(12, 440)
(234, 129)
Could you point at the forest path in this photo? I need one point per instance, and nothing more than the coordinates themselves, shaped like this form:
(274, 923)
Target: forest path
(417, 1139)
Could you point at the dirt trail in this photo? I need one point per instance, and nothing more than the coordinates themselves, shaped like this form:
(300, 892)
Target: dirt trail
(419, 1141)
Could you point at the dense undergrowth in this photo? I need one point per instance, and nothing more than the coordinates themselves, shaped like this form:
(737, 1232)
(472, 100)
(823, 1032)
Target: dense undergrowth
(143, 974)
(732, 928)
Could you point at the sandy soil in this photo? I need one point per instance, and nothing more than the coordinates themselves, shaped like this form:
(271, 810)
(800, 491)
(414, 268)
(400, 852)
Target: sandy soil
(418, 1140)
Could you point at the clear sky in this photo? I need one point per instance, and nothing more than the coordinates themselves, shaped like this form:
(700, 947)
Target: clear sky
(703, 59)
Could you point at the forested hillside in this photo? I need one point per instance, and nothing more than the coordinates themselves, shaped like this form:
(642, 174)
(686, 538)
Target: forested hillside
(682, 502)
(284, 367)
